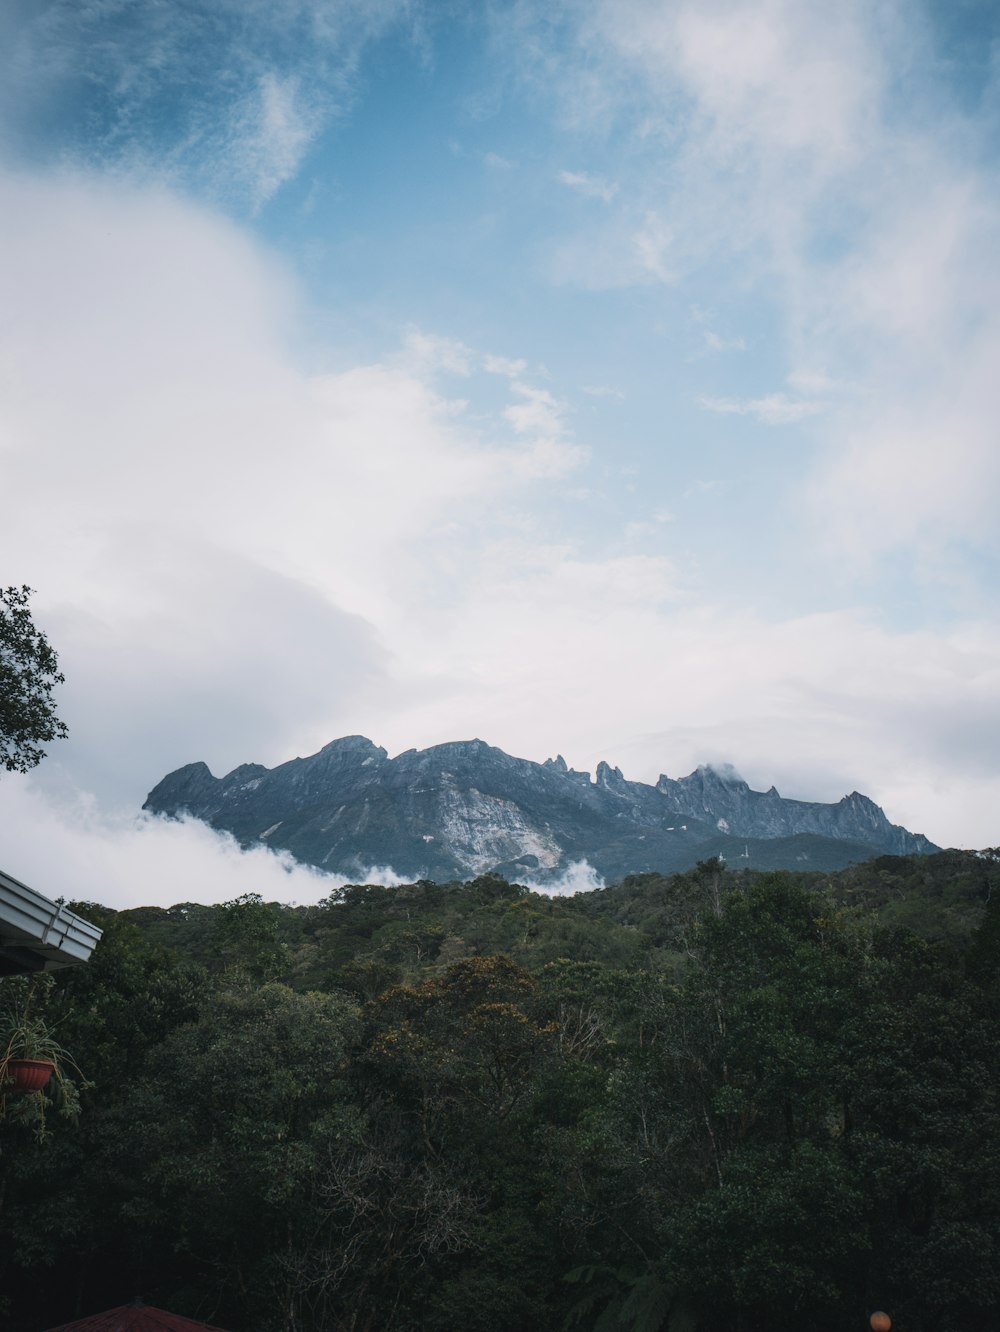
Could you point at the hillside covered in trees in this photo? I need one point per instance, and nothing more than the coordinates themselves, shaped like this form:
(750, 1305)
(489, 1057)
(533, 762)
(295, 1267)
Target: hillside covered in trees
(715, 1102)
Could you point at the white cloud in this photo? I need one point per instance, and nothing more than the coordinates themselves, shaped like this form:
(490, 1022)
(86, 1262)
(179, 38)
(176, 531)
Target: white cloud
(775, 81)
(653, 243)
(224, 96)
(715, 342)
(606, 661)
(276, 555)
(815, 383)
(920, 476)
(239, 560)
(427, 352)
(915, 464)
(579, 876)
(271, 135)
(77, 852)
(536, 412)
(779, 75)
(184, 650)
(773, 409)
(591, 187)
(633, 247)
(221, 541)
(505, 366)
(814, 155)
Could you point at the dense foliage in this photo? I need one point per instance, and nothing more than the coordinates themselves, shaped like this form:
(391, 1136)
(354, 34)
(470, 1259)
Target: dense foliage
(715, 1102)
(28, 673)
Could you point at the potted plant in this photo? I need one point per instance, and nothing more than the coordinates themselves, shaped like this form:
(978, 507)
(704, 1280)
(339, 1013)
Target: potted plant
(30, 1055)
(28, 1058)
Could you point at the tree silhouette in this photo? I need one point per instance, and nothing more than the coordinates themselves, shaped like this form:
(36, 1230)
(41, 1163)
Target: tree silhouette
(28, 672)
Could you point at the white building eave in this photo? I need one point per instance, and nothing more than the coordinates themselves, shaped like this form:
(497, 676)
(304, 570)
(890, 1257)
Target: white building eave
(37, 934)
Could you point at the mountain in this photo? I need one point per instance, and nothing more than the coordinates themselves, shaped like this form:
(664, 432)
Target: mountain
(465, 808)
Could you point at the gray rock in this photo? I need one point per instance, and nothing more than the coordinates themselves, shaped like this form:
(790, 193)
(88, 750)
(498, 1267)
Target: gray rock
(466, 808)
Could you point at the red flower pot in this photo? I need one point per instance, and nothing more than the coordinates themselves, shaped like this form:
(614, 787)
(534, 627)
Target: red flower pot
(28, 1075)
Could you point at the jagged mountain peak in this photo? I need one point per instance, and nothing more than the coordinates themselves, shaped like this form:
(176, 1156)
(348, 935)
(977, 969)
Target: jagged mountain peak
(352, 744)
(725, 773)
(245, 771)
(466, 806)
(472, 747)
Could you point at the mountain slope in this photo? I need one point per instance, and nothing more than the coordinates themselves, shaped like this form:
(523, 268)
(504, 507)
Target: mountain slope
(465, 808)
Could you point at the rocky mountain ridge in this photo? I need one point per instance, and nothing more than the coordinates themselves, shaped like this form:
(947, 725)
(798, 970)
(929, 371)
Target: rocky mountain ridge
(466, 807)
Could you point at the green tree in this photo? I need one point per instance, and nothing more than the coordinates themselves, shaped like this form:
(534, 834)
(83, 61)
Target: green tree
(244, 938)
(28, 672)
(218, 1143)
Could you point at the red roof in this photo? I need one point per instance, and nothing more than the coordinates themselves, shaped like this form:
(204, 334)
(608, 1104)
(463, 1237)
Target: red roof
(135, 1317)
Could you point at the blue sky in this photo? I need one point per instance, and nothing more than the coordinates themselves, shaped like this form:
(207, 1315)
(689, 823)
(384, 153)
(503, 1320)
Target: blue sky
(610, 378)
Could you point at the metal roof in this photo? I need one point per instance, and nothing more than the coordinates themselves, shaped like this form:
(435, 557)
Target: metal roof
(39, 935)
(136, 1317)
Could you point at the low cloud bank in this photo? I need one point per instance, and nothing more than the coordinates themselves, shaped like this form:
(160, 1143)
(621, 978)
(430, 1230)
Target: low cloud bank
(72, 849)
(579, 876)
(69, 847)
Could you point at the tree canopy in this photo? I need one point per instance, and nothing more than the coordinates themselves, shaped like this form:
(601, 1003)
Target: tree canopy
(722, 1101)
(28, 673)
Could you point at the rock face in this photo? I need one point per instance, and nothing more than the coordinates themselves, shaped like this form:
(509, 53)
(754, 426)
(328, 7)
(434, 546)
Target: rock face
(724, 797)
(465, 808)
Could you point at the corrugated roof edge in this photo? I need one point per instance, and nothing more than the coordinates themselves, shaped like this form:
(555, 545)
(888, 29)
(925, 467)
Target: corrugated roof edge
(37, 934)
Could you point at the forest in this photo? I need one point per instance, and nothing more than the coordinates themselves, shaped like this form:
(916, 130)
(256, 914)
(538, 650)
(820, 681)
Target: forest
(719, 1101)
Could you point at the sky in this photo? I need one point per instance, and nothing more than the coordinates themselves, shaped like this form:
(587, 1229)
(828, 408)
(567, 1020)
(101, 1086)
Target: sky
(612, 378)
